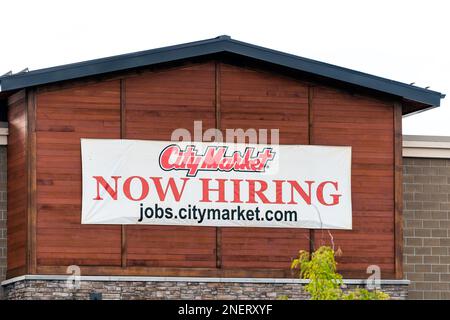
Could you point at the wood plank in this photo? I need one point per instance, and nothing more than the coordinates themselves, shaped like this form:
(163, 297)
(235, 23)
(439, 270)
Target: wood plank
(165, 271)
(17, 180)
(366, 124)
(157, 104)
(31, 173)
(260, 100)
(90, 110)
(123, 134)
(398, 178)
(217, 91)
(312, 244)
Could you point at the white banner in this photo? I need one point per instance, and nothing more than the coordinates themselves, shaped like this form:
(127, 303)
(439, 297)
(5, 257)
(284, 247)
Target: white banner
(216, 184)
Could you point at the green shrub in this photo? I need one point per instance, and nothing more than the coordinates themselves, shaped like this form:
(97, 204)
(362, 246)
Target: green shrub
(364, 294)
(325, 283)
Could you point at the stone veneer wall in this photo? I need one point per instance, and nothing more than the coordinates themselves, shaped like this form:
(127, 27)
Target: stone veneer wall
(2, 216)
(426, 227)
(127, 290)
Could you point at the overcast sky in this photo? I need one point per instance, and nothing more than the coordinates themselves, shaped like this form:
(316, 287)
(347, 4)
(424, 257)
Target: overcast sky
(408, 41)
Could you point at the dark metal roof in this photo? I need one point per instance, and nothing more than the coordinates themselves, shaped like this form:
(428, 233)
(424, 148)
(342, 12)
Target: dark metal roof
(222, 44)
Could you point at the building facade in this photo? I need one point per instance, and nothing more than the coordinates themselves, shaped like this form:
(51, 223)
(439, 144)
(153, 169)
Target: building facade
(225, 84)
(3, 213)
(426, 175)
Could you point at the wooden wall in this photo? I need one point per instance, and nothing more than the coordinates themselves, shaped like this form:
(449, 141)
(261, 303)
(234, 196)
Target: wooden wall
(366, 124)
(150, 105)
(17, 222)
(261, 100)
(62, 118)
(155, 105)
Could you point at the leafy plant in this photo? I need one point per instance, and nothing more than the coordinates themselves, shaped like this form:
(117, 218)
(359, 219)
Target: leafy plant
(364, 294)
(325, 283)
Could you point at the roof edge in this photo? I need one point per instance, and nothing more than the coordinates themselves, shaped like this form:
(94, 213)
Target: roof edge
(224, 43)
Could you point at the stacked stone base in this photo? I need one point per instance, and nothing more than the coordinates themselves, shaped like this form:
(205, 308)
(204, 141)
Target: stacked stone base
(45, 288)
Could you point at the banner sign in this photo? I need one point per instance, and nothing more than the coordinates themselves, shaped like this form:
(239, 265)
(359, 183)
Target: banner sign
(216, 184)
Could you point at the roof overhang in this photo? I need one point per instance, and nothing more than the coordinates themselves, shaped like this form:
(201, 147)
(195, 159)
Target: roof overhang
(420, 98)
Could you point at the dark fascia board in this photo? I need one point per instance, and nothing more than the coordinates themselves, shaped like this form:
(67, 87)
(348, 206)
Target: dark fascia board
(213, 46)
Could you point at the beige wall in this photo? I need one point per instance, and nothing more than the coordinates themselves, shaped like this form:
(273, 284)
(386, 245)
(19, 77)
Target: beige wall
(426, 227)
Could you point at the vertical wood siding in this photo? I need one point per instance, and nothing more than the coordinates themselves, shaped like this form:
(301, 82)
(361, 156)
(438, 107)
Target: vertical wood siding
(155, 105)
(366, 125)
(261, 100)
(63, 117)
(150, 106)
(17, 185)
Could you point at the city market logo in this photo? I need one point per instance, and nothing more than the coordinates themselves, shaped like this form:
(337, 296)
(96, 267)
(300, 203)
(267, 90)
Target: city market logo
(215, 158)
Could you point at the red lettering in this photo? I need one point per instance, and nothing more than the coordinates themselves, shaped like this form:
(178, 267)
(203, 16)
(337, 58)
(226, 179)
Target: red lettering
(237, 190)
(206, 189)
(102, 182)
(137, 188)
(252, 192)
(213, 156)
(320, 196)
(214, 159)
(305, 196)
(170, 185)
(127, 188)
(279, 191)
(164, 158)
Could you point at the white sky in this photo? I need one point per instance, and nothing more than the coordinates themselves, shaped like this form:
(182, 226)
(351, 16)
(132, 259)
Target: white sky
(404, 40)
